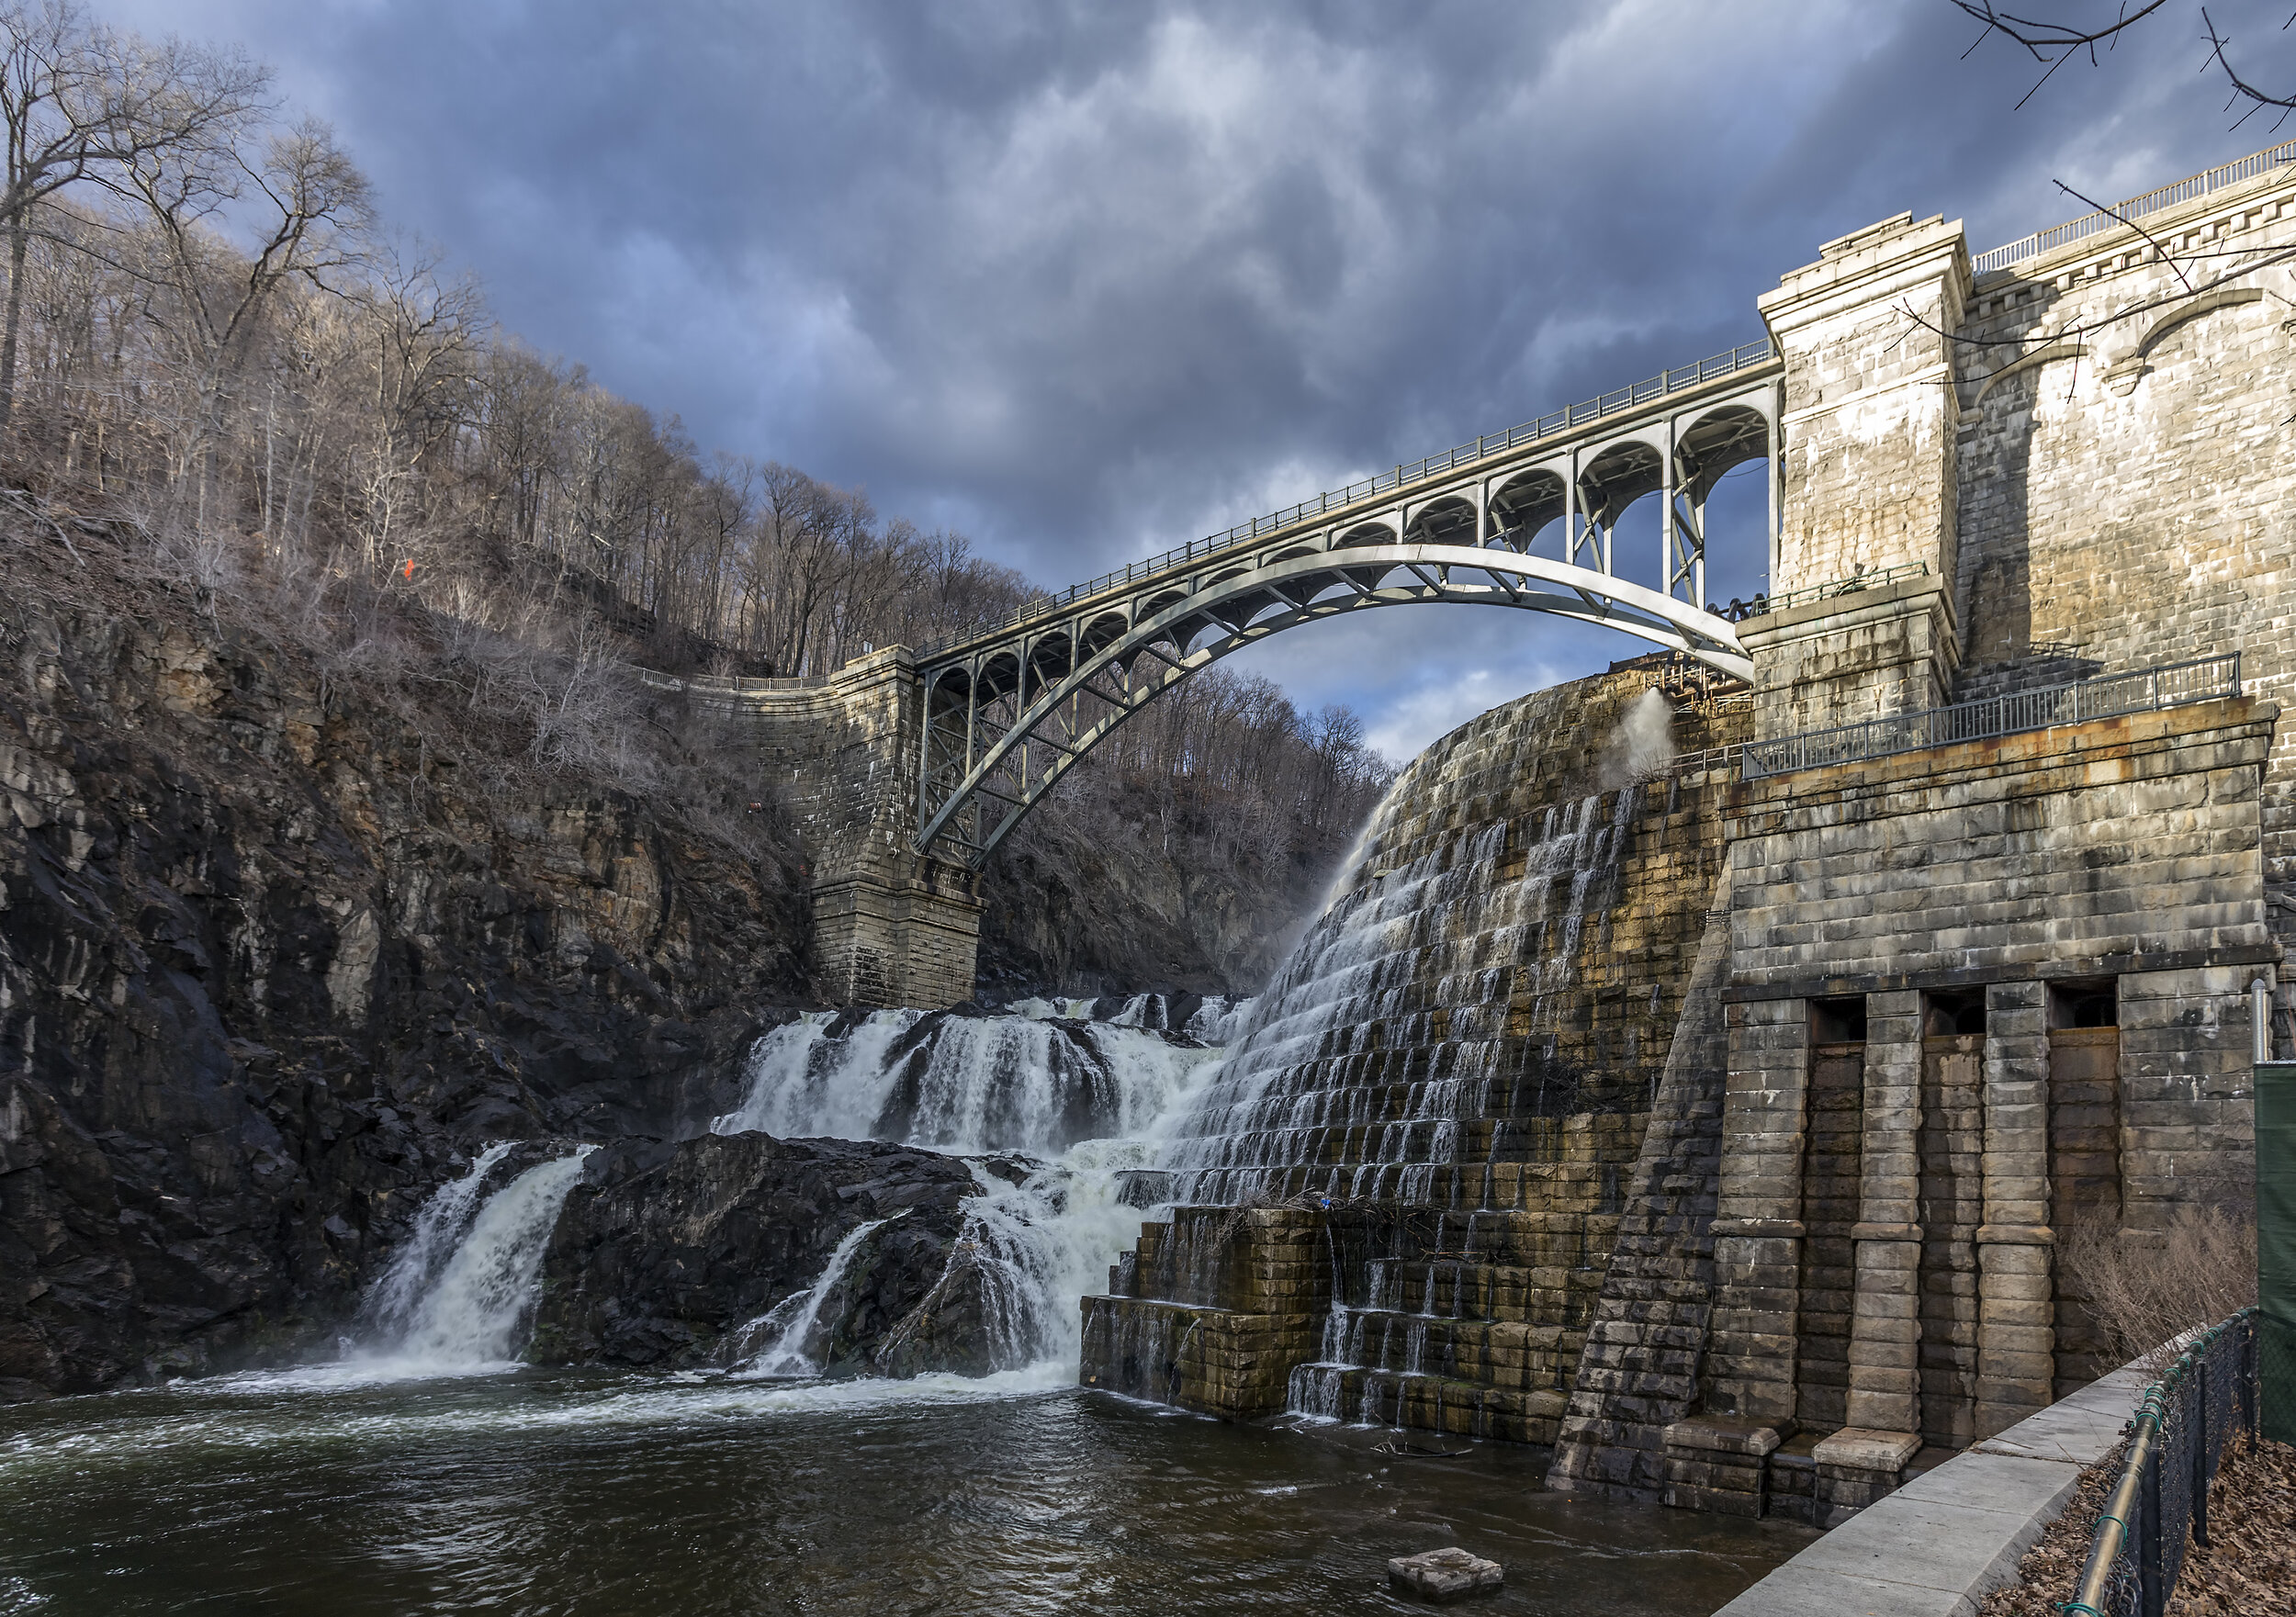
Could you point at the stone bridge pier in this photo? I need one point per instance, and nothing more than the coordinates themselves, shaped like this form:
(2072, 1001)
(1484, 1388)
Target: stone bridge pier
(894, 926)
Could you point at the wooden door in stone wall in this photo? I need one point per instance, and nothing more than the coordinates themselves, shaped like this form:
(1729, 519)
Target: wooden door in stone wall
(1952, 1206)
(1832, 1164)
(2083, 1180)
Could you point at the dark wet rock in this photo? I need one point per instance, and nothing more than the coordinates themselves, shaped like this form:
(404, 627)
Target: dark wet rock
(664, 1253)
(278, 955)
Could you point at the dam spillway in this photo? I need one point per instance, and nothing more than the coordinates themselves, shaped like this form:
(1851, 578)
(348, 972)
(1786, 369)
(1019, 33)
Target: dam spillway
(1395, 1198)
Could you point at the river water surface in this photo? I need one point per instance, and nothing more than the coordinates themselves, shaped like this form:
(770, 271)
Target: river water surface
(573, 1493)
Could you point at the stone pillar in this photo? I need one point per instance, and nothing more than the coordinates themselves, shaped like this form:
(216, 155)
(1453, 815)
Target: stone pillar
(1872, 654)
(1717, 1461)
(2187, 1100)
(2016, 1318)
(1885, 1330)
(1758, 1226)
(1870, 409)
(893, 927)
(1866, 464)
(1863, 1461)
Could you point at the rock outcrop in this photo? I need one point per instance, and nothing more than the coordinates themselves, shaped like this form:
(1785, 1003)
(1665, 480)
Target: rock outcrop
(280, 946)
(666, 1253)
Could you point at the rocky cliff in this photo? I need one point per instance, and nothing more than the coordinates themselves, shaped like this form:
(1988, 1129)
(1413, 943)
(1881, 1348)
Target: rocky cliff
(283, 933)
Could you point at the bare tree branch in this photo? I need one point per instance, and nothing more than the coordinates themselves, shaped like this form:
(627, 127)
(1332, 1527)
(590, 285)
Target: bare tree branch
(2167, 257)
(2054, 43)
(2242, 87)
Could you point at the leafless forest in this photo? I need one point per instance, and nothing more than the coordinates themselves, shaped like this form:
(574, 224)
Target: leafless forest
(306, 419)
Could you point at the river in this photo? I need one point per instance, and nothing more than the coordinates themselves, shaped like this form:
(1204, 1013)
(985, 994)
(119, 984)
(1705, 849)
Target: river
(574, 1494)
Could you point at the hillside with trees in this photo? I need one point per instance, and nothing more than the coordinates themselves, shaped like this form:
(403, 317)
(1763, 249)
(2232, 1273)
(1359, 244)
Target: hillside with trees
(312, 432)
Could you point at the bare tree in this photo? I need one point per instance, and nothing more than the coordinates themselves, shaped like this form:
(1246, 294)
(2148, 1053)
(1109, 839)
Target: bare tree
(80, 100)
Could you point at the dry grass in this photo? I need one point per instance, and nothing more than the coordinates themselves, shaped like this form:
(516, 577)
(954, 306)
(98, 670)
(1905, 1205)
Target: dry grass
(2146, 1289)
(2248, 1569)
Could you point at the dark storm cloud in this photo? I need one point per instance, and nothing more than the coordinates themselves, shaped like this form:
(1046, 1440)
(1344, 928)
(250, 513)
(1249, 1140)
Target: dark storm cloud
(1087, 280)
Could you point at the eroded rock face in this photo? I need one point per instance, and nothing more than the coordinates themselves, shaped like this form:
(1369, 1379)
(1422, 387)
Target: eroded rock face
(275, 963)
(665, 1252)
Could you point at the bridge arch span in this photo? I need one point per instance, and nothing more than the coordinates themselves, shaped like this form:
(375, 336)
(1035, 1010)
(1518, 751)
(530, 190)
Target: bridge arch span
(995, 742)
(1478, 524)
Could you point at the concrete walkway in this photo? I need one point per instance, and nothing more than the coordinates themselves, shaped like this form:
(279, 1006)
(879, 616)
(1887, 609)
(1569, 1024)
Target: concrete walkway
(1943, 1542)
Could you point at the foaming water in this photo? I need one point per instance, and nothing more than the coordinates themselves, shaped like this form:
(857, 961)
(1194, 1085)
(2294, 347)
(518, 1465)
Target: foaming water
(1087, 1102)
(1010, 1082)
(790, 1324)
(439, 1227)
(464, 1312)
(1446, 940)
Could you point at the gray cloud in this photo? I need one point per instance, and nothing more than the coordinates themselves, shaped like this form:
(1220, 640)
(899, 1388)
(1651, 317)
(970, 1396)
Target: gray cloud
(1090, 280)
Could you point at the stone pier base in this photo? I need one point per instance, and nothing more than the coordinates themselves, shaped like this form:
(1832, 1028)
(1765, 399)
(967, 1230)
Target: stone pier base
(905, 935)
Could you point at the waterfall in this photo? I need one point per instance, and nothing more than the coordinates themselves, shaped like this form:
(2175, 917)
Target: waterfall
(1085, 1098)
(960, 1083)
(471, 1314)
(795, 1317)
(438, 1230)
(1426, 952)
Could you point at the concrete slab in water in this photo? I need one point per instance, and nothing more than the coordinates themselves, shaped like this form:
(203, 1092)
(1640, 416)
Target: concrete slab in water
(1443, 1576)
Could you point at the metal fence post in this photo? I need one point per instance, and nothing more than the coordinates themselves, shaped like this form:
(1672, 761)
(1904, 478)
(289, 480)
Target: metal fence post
(2152, 1600)
(2202, 1476)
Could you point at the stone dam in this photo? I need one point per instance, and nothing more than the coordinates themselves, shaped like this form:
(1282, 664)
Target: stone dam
(1717, 1118)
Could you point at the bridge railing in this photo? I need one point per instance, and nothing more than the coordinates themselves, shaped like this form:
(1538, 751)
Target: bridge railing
(2104, 697)
(1744, 356)
(2090, 224)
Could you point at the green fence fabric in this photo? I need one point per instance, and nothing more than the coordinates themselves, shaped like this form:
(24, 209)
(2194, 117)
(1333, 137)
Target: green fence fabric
(2275, 1246)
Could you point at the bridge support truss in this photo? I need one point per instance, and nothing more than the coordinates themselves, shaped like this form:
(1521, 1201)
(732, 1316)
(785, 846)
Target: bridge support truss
(1534, 526)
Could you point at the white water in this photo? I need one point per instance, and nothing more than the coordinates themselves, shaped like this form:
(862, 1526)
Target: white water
(1090, 1099)
(971, 1084)
(795, 1317)
(471, 1317)
(1441, 935)
(438, 1230)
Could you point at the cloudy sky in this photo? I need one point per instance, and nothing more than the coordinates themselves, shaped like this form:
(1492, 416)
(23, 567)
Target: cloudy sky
(1084, 280)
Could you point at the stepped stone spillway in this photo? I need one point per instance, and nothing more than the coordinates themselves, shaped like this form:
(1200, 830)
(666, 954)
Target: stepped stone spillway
(1396, 1198)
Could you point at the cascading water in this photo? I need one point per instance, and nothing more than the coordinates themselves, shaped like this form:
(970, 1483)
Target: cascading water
(1392, 1198)
(960, 1083)
(1086, 1098)
(792, 1322)
(469, 1311)
(1426, 954)
(439, 1227)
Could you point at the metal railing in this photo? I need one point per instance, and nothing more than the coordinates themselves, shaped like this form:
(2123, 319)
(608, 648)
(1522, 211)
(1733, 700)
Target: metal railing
(2162, 1494)
(2090, 224)
(1742, 357)
(2104, 697)
(1871, 579)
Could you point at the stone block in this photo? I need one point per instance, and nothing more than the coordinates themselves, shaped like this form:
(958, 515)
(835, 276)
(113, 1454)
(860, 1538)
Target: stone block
(1443, 1577)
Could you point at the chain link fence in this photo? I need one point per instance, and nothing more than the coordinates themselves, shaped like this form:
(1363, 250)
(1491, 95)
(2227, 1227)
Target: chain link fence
(2161, 1497)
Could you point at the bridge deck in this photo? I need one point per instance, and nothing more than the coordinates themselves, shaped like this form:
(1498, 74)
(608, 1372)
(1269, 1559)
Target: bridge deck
(1603, 416)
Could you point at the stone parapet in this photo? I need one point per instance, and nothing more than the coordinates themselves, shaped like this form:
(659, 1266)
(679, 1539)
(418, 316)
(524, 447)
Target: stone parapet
(2121, 844)
(1872, 654)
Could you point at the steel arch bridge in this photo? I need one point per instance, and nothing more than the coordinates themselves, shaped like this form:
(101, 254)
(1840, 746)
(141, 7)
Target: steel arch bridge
(1011, 708)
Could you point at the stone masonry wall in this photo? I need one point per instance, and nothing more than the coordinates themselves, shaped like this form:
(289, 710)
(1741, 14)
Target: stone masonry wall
(2126, 468)
(894, 928)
